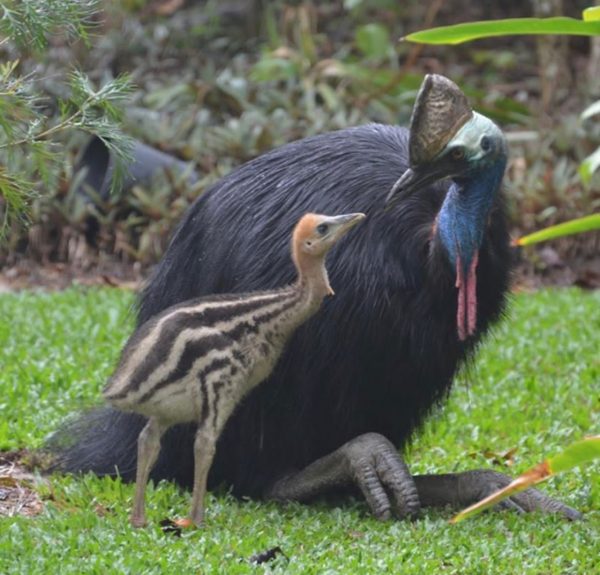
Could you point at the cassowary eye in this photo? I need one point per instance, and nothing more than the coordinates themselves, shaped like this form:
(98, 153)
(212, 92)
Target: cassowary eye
(322, 229)
(458, 153)
(485, 144)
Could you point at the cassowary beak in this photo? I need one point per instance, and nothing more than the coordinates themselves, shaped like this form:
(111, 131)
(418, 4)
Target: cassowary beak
(412, 181)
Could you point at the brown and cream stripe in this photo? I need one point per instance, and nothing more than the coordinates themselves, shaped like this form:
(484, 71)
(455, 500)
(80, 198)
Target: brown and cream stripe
(201, 344)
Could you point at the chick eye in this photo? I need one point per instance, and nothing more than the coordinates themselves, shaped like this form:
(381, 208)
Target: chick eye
(322, 229)
(485, 143)
(457, 153)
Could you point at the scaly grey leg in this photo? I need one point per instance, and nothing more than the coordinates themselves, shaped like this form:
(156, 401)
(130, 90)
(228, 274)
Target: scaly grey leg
(204, 451)
(462, 489)
(148, 450)
(371, 462)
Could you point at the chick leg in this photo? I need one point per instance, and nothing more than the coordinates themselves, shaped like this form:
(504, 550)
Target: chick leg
(204, 451)
(148, 450)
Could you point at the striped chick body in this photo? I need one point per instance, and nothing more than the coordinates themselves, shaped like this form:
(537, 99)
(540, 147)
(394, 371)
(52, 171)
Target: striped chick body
(195, 361)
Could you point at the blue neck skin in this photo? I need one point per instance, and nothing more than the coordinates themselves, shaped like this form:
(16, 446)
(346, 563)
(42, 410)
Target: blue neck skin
(463, 217)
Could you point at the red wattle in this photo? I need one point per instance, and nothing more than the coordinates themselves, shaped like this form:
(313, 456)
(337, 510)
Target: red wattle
(460, 309)
(472, 295)
(466, 310)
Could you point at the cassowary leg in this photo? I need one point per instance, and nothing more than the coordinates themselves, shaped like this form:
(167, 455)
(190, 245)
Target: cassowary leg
(462, 489)
(148, 450)
(204, 451)
(371, 462)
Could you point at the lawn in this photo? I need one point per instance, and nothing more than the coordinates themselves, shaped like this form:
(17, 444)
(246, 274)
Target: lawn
(534, 388)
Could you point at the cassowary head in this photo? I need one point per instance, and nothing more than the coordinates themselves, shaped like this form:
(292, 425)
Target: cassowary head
(449, 140)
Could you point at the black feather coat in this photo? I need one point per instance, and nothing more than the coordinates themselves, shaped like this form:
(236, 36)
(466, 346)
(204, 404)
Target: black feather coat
(376, 358)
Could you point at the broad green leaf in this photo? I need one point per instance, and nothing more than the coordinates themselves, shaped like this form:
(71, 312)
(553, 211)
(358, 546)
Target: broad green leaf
(589, 166)
(373, 40)
(591, 110)
(577, 226)
(459, 33)
(575, 454)
(591, 14)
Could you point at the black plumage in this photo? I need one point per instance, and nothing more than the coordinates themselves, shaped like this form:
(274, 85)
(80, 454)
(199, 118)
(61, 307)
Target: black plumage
(382, 353)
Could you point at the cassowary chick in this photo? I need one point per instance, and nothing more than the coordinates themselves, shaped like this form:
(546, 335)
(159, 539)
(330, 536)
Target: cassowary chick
(195, 361)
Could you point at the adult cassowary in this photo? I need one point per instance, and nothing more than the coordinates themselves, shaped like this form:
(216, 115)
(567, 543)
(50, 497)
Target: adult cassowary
(417, 287)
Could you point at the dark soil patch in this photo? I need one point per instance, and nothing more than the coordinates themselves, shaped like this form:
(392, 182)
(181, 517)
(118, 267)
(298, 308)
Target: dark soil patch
(57, 276)
(18, 485)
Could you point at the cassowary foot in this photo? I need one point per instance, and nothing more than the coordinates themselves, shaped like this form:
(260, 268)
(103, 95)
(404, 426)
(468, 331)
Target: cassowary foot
(372, 463)
(462, 489)
(382, 476)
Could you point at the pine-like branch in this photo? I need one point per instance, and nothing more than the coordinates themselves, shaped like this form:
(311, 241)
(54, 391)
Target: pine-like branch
(27, 134)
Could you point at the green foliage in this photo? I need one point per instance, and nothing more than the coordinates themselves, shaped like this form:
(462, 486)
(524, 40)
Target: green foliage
(468, 32)
(373, 40)
(99, 112)
(576, 454)
(29, 23)
(28, 136)
(533, 388)
(354, 84)
(230, 99)
(578, 226)
(591, 14)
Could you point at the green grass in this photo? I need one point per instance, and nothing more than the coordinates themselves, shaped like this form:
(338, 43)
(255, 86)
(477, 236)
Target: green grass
(534, 387)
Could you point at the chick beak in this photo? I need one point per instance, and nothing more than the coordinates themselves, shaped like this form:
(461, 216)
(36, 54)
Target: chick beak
(346, 221)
